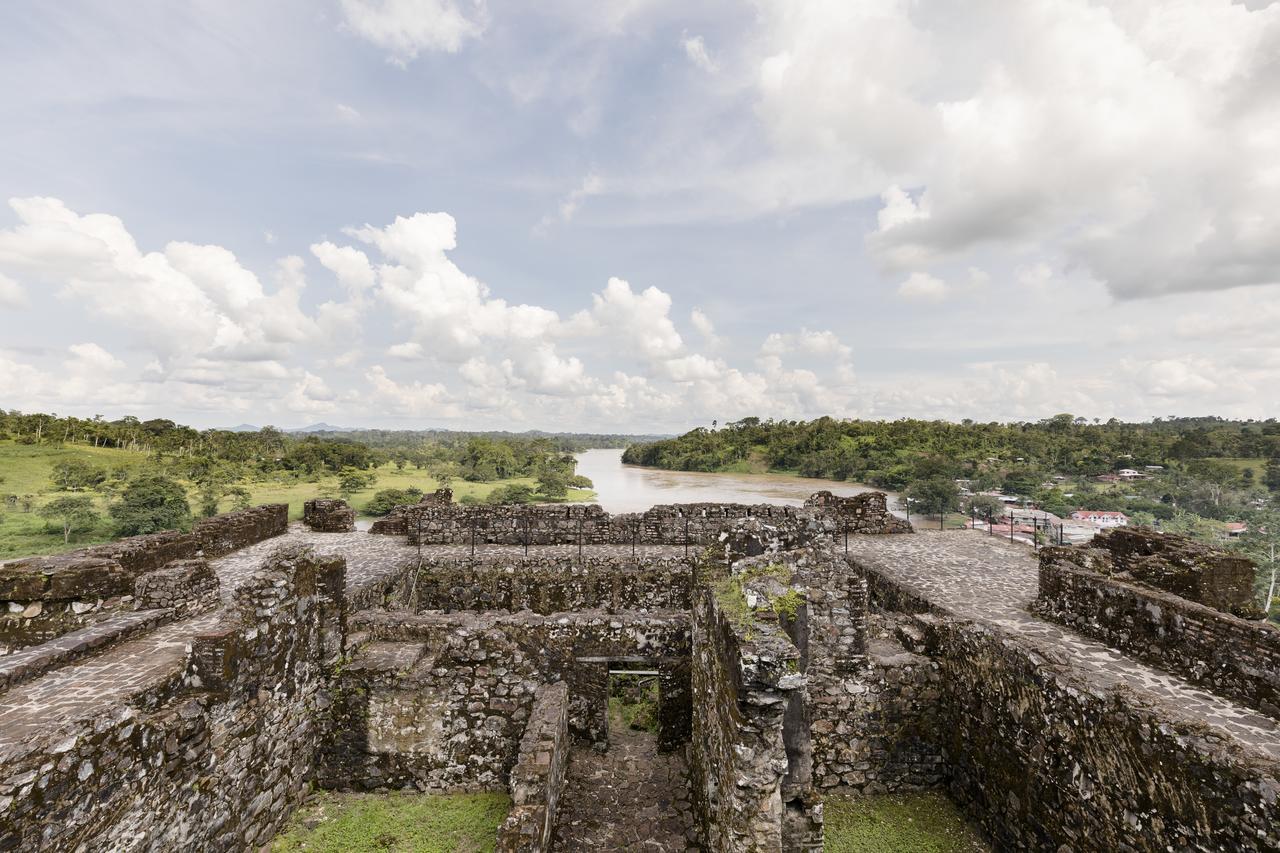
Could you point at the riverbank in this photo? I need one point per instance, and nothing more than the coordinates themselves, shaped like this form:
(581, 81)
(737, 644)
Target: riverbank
(634, 488)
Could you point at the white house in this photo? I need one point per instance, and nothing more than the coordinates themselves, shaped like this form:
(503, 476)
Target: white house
(1101, 517)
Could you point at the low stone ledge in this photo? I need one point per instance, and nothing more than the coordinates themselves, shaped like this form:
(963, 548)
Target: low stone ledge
(35, 661)
(1172, 563)
(328, 515)
(186, 587)
(1233, 657)
(538, 777)
(222, 534)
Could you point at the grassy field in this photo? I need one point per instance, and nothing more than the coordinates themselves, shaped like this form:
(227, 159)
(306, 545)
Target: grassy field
(400, 823)
(26, 470)
(925, 822)
(1259, 466)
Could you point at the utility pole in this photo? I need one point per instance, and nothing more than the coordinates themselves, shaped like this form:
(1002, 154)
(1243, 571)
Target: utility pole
(1271, 593)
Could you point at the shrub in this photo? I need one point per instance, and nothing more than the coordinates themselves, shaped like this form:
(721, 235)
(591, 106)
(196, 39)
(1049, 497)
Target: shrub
(150, 504)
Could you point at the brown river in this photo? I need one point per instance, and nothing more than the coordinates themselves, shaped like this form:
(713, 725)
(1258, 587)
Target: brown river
(629, 488)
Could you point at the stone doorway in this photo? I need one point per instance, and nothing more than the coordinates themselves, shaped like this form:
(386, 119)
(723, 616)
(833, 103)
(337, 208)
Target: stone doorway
(667, 678)
(628, 789)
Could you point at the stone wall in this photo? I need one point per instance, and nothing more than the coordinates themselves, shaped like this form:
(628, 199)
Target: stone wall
(215, 758)
(750, 770)
(569, 524)
(866, 513)
(880, 731)
(1178, 565)
(1233, 657)
(231, 531)
(538, 777)
(184, 587)
(396, 522)
(547, 583)
(440, 701)
(1044, 759)
(46, 597)
(328, 515)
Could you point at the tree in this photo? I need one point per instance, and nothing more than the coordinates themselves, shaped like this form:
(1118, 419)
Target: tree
(1271, 479)
(553, 483)
(75, 514)
(515, 493)
(240, 497)
(935, 494)
(74, 475)
(150, 504)
(352, 480)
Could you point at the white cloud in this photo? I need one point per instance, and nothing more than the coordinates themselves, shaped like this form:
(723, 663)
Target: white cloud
(1160, 132)
(409, 351)
(696, 49)
(922, 287)
(11, 293)
(702, 323)
(591, 185)
(348, 113)
(405, 28)
(450, 311)
(642, 319)
(417, 399)
(824, 342)
(89, 357)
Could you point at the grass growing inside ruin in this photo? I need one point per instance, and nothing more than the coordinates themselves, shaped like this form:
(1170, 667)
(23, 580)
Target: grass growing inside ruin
(730, 593)
(396, 823)
(633, 703)
(924, 822)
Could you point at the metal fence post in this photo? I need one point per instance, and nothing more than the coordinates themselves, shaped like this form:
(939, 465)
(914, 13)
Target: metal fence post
(579, 540)
(1010, 525)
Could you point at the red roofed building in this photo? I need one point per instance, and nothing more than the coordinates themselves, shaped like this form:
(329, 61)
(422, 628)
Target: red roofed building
(1101, 517)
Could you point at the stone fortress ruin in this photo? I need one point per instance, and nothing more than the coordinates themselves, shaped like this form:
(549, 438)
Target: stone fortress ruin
(183, 691)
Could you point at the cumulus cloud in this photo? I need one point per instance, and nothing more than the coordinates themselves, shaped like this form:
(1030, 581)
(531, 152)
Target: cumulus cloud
(186, 301)
(406, 28)
(1160, 132)
(824, 342)
(702, 323)
(643, 319)
(922, 287)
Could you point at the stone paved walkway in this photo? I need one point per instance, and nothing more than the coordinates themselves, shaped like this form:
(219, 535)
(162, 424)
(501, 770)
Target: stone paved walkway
(43, 706)
(631, 798)
(988, 579)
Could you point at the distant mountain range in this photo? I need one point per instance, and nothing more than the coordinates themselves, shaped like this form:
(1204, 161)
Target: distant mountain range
(320, 427)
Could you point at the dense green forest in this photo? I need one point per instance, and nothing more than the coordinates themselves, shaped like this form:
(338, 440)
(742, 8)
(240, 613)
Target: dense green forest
(884, 453)
(1197, 476)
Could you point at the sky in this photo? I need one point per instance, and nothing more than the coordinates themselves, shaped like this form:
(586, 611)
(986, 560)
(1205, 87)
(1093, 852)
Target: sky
(639, 215)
